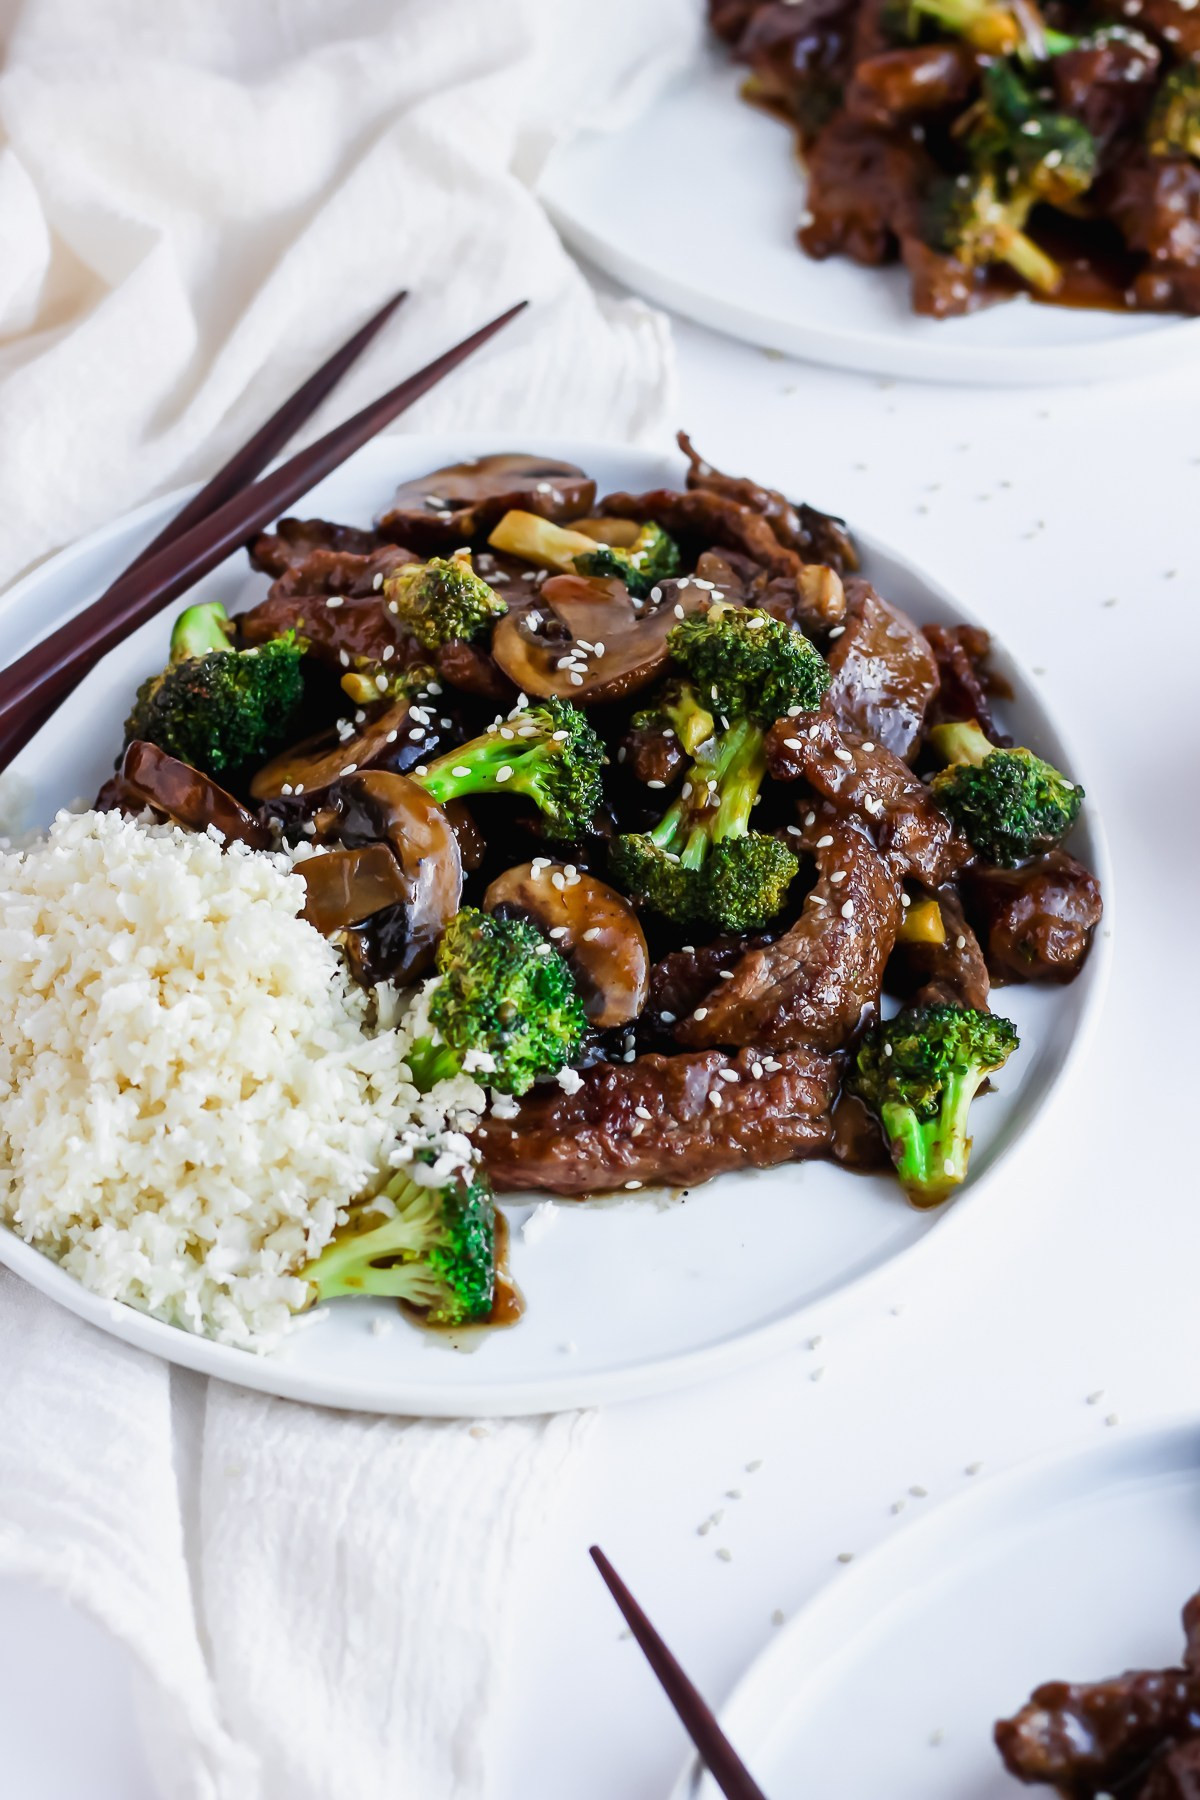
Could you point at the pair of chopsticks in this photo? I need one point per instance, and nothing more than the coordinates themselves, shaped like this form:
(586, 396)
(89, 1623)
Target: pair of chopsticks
(695, 1715)
(223, 515)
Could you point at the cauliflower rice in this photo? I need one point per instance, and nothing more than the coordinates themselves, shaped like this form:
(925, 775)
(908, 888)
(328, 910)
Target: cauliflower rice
(192, 1089)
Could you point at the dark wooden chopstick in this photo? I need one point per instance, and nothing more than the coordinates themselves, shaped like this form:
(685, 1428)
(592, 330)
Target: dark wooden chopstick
(54, 667)
(250, 461)
(697, 1718)
(247, 462)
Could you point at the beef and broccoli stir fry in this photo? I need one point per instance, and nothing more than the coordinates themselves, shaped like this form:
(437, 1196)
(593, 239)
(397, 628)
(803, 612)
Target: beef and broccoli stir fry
(992, 146)
(1135, 1736)
(658, 798)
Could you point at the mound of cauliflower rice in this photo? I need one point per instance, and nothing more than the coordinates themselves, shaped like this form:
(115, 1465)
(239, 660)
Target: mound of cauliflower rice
(192, 1089)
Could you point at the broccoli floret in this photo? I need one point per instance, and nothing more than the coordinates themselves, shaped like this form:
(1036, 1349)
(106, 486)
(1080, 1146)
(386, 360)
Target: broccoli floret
(1174, 125)
(744, 664)
(919, 1072)
(547, 752)
(505, 1007)
(442, 599)
(1008, 804)
(1042, 154)
(215, 707)
(677, 709)
(964, 217)
(702, 862)
(1021, 153)
(436, 1250)
(651, 558)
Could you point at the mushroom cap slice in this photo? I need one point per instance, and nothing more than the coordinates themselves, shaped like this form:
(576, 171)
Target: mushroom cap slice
(627, 639)
(456, 505)
(376, 806)
(347, 886)
(187, 796)
(387, 741)
(591, 925)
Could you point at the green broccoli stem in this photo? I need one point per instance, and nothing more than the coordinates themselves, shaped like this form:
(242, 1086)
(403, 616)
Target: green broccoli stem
(961, 742)
(488, 765)
(346, 1265)
(430, 1062)
(1028, 259)
(693, 824)
(931, 1155)
(200, 630)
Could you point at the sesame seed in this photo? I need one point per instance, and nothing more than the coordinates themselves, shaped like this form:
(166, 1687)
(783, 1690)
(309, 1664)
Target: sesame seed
(633, 1184)
(837, 631)
(668, 1018)
(701, 1012)
(1096, 1398)
(838, 876)
(918, 1492)
(504, 773)
(848, 910)
(843, 756)
(576, 680)
(725, 1554)
(643, 1112)
(1113, 1419)
(817, 1374)
(558, 931)
(656, 784)
(726, 974)
(823, 843)
(973, 1468)
(349, 768)
(752, 1468)
(591, 934)
(810, 818)
(905, 902)
(334, 602)
(756, 1070)
(461, 771)
(728, 1074)
(378, 581)
(961, 942)
(868, 748)
(714, 1098)
(558, 879)
(845, 1556)
(794, 743)
(344, 658)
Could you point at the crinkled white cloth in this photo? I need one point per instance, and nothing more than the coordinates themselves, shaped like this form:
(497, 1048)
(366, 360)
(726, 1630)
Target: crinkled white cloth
(198, 200)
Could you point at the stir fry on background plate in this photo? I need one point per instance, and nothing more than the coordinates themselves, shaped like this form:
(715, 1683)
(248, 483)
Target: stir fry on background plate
(994, 148)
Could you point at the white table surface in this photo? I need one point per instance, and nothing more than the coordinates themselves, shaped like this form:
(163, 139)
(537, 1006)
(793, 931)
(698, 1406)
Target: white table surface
(1069, 519)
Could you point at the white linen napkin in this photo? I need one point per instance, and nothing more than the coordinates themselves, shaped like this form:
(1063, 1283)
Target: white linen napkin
(198, 200)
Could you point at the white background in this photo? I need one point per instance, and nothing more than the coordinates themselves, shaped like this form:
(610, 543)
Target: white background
(1070, 519)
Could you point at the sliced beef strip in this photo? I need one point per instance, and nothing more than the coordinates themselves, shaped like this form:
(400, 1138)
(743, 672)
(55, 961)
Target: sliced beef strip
(680, 980)
(461, 504)
(1091, 1738)
(861, 777)
(818, 981)
(473, 670)
(864, 191)
(1155, 204)
(1036, 922)
(293, 541)
(798, 49)
(1107, 85)
(942, 287)
(897, 85)
(966, 683)
(707, 1114)
(884, 673)
(359, 628)
(1174, 21)
(814, 598)
(699, 520)
(816, 536)
(949, 974)
(651, 756)
(1176, 1776)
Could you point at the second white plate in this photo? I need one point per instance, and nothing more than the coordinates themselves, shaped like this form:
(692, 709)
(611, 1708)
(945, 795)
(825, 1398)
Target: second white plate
(889, 1682)
(696, 205)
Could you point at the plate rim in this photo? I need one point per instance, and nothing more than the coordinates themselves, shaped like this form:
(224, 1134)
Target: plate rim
(1159, 1435)
(866, 352)
(559, 1390)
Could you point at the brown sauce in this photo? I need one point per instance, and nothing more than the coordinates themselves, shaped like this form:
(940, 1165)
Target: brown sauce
(508, 1302)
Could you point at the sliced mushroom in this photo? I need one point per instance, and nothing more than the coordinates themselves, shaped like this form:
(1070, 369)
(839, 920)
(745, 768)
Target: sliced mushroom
(187, 796)
(593, 926)
(294, 782)
(378, 807)
(347, 886)
(455, 505)
(586, 640)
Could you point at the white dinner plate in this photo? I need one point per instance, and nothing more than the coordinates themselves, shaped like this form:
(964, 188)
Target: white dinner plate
(696, 205)
(1069, 1568)
(627, 1295)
